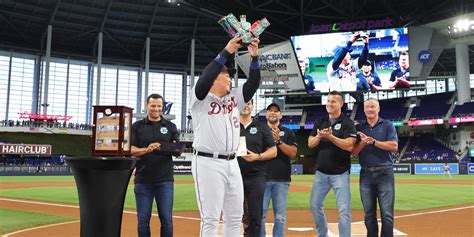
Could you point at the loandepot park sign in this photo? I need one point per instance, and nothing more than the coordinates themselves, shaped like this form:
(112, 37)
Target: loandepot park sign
(351, 26)
(25, 149)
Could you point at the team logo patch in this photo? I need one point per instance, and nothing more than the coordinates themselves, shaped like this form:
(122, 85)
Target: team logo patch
(282, 133)
(337, 126)
(253, 130)
(164, 130)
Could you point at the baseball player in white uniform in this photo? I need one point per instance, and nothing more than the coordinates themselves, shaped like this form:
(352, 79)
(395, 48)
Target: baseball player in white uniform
(341, 71)
(216, 122)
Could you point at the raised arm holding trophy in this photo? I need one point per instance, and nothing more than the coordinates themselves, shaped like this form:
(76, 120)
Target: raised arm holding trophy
(243, 28)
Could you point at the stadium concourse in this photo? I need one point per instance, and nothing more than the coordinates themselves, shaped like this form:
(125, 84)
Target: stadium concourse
(59, 59)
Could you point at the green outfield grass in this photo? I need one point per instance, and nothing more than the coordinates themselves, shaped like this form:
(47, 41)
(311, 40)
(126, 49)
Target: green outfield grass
(408, 196)
(11, 220)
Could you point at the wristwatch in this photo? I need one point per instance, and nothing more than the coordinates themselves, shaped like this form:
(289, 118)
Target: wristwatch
(279, 142)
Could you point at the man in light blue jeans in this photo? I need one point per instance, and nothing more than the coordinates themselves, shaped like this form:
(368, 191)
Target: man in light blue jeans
(322, 183)
(278, 193)
(333, 138)
(278, 171)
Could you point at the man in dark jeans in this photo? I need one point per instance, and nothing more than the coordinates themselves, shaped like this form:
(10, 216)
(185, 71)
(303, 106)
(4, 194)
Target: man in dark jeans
(377, 142)
(154, 172)
(261, 147)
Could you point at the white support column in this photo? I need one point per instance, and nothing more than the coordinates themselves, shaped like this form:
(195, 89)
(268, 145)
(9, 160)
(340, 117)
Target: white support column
(46, 74)
(99, 68)
(462, 73)
(193, 60)
(147, 71)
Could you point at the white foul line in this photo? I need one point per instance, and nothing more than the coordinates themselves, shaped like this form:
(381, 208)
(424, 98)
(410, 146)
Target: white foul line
(427, 213)
(38, 227)
(77, 207)
(189, 218)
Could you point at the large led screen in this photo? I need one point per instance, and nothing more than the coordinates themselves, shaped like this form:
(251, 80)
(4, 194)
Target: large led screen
(349, 61)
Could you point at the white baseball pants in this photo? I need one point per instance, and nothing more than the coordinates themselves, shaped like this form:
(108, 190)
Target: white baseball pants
(219, 187)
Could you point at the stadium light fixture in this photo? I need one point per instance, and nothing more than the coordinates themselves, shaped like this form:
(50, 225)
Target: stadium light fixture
(462, 28)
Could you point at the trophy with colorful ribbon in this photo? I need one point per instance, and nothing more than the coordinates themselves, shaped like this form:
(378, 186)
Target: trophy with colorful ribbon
(243, 28)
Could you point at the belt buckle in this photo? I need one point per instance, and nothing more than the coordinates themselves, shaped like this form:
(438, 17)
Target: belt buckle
(229, 156)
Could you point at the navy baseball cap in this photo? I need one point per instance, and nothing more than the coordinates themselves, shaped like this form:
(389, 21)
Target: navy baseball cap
(367, 63)
(231, 71)
(274, 104)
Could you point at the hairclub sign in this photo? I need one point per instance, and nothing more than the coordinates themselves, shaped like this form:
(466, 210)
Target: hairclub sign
(25, 149)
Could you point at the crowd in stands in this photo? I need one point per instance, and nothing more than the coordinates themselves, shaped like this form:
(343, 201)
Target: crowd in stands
(46, 124)
(386, 64)
(20, 160)
(385, 43)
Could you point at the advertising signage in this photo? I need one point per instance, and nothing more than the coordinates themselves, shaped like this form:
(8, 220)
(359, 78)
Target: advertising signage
(397, 123)
(435, 168)
(470, 168)
(402, 168)
(351, 26)
(278, 63)
(182, 167)
(466, 119)
(28, 115)
(425, 122)
(25, 149)
(397, 169)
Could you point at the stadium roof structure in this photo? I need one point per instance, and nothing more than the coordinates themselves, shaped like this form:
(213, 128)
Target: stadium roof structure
(171, 26)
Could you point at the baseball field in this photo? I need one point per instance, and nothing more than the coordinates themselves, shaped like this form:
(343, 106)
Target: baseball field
(426, 205)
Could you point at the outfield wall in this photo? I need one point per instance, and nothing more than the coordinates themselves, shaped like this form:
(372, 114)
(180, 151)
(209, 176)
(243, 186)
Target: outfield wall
(184, 168)
(421, 168)
(20, 170)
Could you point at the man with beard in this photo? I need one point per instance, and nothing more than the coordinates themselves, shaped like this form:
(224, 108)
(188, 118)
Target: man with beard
(154, 174)
(278, 171)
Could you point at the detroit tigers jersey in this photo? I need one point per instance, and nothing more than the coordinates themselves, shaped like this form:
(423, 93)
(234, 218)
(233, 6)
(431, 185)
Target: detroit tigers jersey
(344, 77)
(216, 121)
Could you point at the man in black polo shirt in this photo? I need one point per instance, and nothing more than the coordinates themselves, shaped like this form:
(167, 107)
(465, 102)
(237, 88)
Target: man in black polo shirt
(278, 171)
(261, 147)
(154, 172)
(378, 140)
(333, 139)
